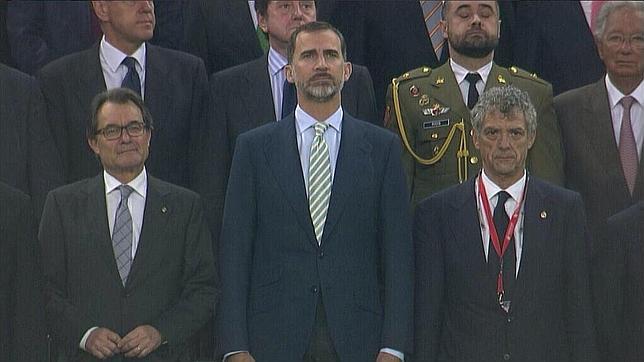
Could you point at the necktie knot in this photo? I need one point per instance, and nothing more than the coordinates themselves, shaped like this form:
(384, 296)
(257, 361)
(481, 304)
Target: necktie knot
(320, 128)
(129, 62)
(125, 192)
(503, 196)
(627, 102)
(472, 78)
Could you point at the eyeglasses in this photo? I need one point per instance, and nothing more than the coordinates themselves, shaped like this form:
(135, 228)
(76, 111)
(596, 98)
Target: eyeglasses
(616, 41)
(113, 132)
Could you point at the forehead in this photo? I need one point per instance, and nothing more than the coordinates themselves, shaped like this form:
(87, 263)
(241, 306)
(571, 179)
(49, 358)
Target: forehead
(323, 39)
(453, 6)
(118, 113)
(513, 119)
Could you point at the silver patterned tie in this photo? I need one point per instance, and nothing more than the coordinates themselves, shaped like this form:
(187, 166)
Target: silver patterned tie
(627, 145)
(122, 234)
(319, 180)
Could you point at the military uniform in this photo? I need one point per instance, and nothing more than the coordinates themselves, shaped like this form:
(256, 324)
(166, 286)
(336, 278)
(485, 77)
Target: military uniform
(427, 105)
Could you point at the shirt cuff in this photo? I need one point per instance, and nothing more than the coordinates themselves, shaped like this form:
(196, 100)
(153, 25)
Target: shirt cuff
(85, 336)
(230, 354)
(394, 353)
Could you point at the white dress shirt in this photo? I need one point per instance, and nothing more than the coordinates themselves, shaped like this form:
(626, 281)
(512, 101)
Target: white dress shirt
(617, 111)
(460, 72)
(492, 190)
(276, 64)
(136, 205)
(113, 71)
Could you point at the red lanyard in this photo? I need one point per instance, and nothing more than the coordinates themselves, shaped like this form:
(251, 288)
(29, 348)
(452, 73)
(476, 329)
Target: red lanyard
(509, 232)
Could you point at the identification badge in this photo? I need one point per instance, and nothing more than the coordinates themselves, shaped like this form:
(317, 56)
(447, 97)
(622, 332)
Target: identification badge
(436, 123)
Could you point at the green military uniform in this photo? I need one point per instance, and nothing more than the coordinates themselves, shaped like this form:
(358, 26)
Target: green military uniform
(428, 105)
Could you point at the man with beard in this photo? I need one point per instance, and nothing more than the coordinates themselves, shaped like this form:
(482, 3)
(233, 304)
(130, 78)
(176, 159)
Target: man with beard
(430, 108)
(316, 248)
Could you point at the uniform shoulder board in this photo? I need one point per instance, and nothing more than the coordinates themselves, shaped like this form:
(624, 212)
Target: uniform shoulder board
(415, 73)
(524, 74)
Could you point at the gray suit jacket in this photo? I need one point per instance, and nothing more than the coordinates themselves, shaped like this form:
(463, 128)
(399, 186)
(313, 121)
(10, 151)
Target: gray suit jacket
(172, 283)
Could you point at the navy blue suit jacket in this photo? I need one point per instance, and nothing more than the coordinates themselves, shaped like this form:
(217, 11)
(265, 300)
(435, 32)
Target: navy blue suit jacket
(274, 272)
(457, 315)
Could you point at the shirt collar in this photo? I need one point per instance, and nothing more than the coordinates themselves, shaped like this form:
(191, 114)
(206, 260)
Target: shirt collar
(304, 121)
(139, 183)
(515, 190)
(460, 72)
(276, 61)
(114, 57)
(615, 95)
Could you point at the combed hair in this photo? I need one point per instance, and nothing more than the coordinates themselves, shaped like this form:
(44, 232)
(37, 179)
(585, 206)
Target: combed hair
(505, 99)
(314, 27)
(608, 8)
(117, 96)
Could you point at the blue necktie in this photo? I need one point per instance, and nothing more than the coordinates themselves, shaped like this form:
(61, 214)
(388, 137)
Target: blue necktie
(131, 79)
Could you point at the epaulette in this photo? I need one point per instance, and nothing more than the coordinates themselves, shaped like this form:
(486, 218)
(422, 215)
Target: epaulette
(415, 73)
(524, 74)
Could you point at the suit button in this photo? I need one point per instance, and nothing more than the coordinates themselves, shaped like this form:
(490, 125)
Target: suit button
(321, 255)
(314, 290)
(509, 319)
(506, 357)
(474, 160)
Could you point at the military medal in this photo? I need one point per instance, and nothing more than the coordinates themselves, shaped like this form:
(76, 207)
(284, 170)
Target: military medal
(413, 91)
(424, 100)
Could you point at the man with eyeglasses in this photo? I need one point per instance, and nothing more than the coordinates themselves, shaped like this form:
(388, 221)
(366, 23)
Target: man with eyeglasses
(602, 127)
(127, 258)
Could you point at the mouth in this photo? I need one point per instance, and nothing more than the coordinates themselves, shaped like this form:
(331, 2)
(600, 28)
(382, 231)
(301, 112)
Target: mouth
(120, 152)
(324, 76)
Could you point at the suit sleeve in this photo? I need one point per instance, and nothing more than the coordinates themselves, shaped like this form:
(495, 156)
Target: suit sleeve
(397, 248)
(578, 319)
(199, 294)
(429, 291)
(237, 237)
(64, 320)
(546, 156)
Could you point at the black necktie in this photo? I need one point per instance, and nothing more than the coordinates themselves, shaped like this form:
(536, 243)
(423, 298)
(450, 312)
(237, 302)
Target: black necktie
(472, 93)
(501, 221)
(289, 98)
(131, 79)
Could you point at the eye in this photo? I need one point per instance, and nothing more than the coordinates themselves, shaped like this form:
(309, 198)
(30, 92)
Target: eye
(111, 131)
(485, 13)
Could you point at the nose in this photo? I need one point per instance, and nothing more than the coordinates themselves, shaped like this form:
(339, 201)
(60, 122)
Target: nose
(147, 6)
(297, 10)
(476, 19)
(321, 63)
(504, 140)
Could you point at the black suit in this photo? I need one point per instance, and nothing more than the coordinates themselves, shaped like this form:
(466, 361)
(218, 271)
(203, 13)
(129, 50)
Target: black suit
(457, 315)
(28, 157)
(273, 271)
(22, 329)
(171, 285)
(176, 93)
(619, 288)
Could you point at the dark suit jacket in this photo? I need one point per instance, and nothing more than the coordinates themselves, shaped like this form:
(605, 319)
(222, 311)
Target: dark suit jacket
(172, 283)
(456, 313)
(22, 329)
(592, 164)
(553, 40)
(176, 93)
(273, 270)
(28, 157)
(619, 288)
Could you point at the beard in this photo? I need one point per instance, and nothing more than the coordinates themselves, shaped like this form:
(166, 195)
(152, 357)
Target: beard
(476, 47)
(320, 93)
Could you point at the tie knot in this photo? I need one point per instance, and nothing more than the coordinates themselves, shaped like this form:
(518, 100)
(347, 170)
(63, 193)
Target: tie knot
(472, 78)
(627, 102)
(129, 62)
(320, 128)
(503, 197)
(125, 192)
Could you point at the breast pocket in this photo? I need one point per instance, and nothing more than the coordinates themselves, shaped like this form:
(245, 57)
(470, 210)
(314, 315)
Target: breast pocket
(430, 141)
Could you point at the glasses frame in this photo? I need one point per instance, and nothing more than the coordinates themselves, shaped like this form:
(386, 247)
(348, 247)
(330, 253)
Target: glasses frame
(131, 129)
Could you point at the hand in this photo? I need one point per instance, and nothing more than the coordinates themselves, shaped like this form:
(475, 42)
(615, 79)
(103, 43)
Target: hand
(240, 357)
(386, 357)
(102, 343)
(140, 342)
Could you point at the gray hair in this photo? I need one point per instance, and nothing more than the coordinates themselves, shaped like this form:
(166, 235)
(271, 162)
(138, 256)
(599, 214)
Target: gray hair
(505, 99)
(608, 8)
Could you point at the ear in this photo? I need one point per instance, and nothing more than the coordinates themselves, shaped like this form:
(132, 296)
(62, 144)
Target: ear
(348, 69)
(475, 139)
(93, 144)
(531, 139)
(288, 71)
(262, 22)
(101, 10)
(498, 29)
(443, 24)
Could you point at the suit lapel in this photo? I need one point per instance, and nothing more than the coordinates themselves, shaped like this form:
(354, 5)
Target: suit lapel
(536, 227)
(96, 209)
(91, 81)
(447, 92)
(283, 160)
(259, 99)
(353, 158)
(156, 219)
(156, 69)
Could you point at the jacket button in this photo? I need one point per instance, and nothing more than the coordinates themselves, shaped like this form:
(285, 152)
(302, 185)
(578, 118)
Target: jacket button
(321, 255)
(506, 357)
(314, 290)
(509, 319)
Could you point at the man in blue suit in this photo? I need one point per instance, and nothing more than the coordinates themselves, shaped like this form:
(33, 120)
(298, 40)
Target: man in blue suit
(316, 254)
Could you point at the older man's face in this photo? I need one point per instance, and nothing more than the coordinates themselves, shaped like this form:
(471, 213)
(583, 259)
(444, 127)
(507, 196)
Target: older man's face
(621, 47)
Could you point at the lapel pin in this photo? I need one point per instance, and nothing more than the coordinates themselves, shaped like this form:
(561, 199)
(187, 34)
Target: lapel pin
(543, 214)
(164, 209)
(440, 80)
(500, 79)
(413, 91)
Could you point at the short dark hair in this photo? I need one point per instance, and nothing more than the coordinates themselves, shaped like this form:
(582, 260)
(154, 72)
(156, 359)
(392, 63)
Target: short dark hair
(261, 6)
(117, 96)
(314, 27)
(505, 99)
